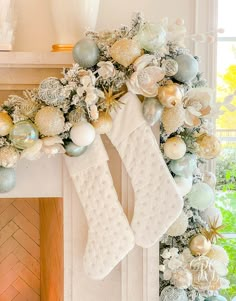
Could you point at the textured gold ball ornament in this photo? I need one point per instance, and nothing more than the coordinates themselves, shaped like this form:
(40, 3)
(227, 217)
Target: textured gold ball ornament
(170, 67)
(170, 95)
(175, 148)
(125, 51)
(209, 146)
(6, 124)
(173, 118)
(50, 121)
(8, 156)
(24, 134)
(103, 124)
(199, 245)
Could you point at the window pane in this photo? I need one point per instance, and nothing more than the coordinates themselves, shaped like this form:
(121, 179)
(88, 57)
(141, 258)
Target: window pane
(226, 17)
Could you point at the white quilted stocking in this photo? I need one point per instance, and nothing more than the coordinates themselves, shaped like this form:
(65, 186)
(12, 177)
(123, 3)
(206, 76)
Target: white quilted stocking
(157, 202)
(110, 237)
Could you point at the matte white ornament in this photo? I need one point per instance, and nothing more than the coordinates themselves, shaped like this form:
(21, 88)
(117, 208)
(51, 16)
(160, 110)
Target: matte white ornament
(82, 134)
(179, 226)
(211, 214)
(71, 18)
(183, 184)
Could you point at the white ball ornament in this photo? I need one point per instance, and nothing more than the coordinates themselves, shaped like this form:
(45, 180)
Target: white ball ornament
(218, 253)
(201, 196)
(187, 68)
(50, 121)
(183, 184)
(175, 148)
(179, 227)
(212, 214)
(82, 134)
(210, 179)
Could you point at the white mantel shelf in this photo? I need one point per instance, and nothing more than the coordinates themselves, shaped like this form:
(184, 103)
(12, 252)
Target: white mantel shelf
(35, 59)
(25, 70)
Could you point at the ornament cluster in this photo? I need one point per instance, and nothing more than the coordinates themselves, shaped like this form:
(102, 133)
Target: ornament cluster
(63, 115)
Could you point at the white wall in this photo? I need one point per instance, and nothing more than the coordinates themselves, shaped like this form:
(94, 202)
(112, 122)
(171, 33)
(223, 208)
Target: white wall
(35, 29)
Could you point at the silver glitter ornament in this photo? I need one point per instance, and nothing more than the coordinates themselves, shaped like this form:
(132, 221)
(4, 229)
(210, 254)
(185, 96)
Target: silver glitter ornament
(86, 53)
(152, 110)
(170, 293)
(187, 68)
(7, 179)
(8, 156)
(74, 150)
(51, 91)
(170, 67)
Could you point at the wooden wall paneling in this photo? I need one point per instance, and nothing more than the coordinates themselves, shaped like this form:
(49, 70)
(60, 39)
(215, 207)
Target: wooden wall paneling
(19, 250)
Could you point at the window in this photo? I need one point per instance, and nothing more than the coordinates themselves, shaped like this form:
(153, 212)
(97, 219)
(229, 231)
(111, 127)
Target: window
(226, 131)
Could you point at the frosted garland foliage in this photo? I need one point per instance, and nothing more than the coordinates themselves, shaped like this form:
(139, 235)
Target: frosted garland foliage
(151, 61)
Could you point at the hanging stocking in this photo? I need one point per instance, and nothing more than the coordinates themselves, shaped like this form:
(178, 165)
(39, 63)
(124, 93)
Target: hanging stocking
(157, 202)
(110, 237)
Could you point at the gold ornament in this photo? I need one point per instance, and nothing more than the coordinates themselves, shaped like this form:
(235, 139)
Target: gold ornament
(218, 253)
(175, 148)
(103, 124)
(50, 121)
(170, 95)
(209, 146)
(6, 124)
(204, 275)
(199, 245)
(125, 51)
(8, 156)
(213, 233)
(111, 100)
(173, 118)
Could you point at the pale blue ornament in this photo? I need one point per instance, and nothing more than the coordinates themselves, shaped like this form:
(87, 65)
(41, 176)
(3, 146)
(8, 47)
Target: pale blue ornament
(86, 53)
(152, 110)
(187, 68)
(7, 179)
(24, 134)
(74, 150)
(216, 298)
(151, 37)
(184, 166)
(201, 196)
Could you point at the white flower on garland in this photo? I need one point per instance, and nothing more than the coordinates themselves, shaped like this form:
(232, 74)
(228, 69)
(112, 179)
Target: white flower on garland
(94, 114)
(106, 69)
(182, 278)
(144, 80)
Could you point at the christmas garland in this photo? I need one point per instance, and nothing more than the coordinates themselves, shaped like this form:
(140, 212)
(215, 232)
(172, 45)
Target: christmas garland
(63, 115)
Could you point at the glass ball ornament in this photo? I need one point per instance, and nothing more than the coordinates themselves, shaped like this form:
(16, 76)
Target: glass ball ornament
(170, 67)
(216, 298)
(82, 134)
(152, 110)
(6, 124)
(151, 36)
(187, 68)
(7, 179)
(86, 53)
(209, 146)
(184, 166)
(8, 156)
(175, 148)
(50, 121)
(103, 124)
(170, 293)
(201, 196)
(74, 150)
(184, 185)
(199, 245)
(170, 95)
(125, 51)
(24, 134)
(179, 227)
